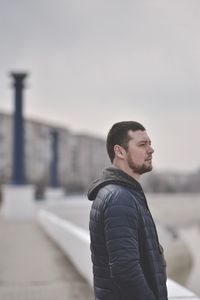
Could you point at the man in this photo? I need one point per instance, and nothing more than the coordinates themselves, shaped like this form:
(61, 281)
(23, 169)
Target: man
(128, 262)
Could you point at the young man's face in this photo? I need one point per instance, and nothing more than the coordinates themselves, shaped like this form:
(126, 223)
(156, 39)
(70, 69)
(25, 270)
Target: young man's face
(139, 153)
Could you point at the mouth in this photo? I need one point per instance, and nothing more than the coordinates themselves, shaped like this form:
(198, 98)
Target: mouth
(148, 159)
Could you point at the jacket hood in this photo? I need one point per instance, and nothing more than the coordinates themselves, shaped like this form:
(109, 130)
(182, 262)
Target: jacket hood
(112, 175)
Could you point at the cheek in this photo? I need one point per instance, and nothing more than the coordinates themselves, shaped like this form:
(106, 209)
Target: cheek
(138, 155)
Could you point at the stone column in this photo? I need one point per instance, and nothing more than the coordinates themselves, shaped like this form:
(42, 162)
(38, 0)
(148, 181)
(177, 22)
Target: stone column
(18, 176)
(18, 198)
(54, 181)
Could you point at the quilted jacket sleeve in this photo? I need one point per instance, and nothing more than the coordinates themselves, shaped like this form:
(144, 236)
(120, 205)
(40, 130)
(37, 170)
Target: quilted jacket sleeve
(121, 223)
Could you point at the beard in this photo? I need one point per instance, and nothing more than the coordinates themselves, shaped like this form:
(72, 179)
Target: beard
(136, 168)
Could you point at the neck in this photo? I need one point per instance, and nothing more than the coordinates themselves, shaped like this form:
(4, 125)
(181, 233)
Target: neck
(127, 170)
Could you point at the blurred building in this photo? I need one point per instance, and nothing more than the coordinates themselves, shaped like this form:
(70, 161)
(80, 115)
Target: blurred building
(5, 147)
(80, 157)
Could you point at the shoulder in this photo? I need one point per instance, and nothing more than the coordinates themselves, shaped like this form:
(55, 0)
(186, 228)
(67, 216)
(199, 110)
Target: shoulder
(118, 195)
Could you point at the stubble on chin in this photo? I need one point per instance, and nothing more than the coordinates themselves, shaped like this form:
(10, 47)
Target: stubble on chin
(145, 169)
(139, 169)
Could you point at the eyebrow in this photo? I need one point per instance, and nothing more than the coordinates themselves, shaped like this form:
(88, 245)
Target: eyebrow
(145, 141)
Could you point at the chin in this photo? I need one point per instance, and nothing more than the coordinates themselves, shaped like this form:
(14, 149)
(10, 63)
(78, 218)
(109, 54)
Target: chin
(146, 169)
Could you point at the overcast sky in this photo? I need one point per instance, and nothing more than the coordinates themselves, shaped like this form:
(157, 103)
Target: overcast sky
(96, 62)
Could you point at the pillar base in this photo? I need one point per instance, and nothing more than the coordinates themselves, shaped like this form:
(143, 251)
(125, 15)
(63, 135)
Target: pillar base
(18, 202)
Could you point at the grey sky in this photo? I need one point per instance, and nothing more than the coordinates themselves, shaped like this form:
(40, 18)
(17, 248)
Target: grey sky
(93, 63)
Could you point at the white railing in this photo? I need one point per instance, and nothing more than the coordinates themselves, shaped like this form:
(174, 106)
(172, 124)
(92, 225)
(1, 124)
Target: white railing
(75, 241)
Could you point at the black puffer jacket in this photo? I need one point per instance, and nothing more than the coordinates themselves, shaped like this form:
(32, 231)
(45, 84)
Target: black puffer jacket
(127, 259)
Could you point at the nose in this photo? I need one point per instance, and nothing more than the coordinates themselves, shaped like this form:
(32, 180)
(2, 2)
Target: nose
(151, 150)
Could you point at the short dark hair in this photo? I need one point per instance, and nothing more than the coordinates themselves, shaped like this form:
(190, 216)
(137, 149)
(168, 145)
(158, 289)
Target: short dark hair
(118, 135)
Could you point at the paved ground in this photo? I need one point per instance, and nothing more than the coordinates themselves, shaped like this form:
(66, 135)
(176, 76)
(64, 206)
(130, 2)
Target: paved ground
(32, 267)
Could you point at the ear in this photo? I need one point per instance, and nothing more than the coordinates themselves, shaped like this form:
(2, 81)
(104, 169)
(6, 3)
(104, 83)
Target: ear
(120, 152)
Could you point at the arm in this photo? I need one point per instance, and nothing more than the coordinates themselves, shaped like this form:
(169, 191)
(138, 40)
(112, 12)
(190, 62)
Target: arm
(121, 223)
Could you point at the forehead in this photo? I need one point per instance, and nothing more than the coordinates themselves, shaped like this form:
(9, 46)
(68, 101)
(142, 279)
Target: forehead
(138, 135)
